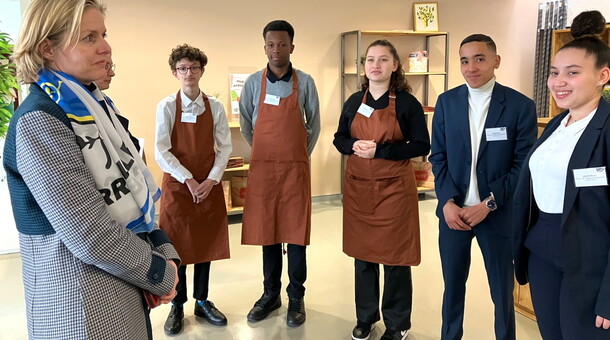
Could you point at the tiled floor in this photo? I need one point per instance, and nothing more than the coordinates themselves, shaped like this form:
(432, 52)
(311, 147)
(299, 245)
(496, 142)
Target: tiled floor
(329, 300)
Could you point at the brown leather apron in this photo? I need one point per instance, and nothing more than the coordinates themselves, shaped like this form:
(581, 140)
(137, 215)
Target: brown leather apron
(278, 198)
(380, 203)
(199, 232)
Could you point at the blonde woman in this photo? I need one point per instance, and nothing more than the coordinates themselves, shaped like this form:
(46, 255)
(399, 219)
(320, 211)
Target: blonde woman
(83, 200)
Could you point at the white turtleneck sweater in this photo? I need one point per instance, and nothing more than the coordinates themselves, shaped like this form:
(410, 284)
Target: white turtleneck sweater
(478, 105)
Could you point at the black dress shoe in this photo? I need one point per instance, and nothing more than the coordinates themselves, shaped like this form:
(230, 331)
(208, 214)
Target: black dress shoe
(207, 310)
(296, 312)
(265, 305)
(173, 324)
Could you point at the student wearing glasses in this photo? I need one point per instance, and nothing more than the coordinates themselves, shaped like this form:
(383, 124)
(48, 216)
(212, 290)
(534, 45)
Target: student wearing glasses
(192, 147)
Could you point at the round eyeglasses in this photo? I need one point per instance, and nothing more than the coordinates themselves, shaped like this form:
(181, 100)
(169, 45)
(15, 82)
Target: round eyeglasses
(184, 70)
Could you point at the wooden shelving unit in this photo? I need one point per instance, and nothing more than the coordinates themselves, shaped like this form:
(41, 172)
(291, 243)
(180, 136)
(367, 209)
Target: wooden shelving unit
(426, 85)
(238, 171)
(560, 38)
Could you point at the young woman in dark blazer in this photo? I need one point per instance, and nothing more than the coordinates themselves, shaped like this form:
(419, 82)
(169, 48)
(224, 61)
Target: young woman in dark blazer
(562, 202)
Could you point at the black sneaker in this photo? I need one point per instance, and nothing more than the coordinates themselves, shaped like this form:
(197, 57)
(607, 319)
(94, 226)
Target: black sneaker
(296, 312)
(265, 305)
(362, 331)
(395, 335)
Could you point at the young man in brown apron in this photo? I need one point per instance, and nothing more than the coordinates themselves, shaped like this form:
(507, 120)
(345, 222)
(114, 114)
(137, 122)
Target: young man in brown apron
(193, 145)
(280, 119)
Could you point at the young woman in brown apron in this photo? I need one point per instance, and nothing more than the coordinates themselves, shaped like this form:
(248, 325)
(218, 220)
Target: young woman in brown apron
(195, 222)
(381, 128)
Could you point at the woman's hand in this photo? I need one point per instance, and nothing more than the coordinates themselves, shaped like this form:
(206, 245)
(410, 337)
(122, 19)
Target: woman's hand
(365, 148)
(601, 322)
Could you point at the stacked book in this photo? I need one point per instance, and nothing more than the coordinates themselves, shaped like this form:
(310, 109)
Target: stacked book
(235, 162)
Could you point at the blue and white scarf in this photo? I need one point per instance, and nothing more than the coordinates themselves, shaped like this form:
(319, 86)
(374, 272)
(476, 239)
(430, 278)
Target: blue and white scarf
(120, 175)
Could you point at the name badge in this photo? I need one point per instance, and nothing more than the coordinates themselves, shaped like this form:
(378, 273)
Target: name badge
(365, 110)
(590, 177)
(496, 134)
(272, 100)
(188, 117)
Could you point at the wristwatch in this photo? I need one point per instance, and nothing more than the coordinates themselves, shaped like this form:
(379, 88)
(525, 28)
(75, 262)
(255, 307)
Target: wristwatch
(490, 203)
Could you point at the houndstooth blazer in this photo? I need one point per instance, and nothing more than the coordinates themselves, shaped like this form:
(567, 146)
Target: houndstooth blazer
(84, 281)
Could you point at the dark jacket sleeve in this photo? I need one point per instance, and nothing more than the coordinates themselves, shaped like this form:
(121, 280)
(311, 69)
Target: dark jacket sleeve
(444, 185)
(412, 122)
(343, 140)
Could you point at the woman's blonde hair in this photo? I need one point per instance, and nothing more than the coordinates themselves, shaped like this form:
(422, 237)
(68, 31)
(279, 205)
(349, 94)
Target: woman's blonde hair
(56, 20)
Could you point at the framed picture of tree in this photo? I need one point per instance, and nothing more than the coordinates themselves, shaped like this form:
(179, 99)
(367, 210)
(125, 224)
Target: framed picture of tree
(425, 16)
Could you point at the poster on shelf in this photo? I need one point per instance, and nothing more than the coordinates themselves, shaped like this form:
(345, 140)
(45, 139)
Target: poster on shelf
(418, 62)
(236, 84)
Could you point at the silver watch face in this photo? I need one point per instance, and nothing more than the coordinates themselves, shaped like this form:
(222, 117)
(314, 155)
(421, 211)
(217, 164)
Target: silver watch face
(491, 205)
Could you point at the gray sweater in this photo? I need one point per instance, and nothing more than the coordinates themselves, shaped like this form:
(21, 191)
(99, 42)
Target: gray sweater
(308, 103)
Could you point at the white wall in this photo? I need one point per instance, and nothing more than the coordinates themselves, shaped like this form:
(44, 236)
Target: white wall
(10, 18)
(577, 6)
(142, 34)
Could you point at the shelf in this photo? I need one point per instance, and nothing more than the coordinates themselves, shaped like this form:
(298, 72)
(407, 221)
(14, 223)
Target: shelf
(234, 125)
(429, 84)
(235, 211)
(406, 74)
(245, 167)
(425, 73)
(421, 190)
(398, 33)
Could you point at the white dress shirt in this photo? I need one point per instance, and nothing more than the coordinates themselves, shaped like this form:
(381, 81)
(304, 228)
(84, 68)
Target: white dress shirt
(549, 164)
(166, 116)
(478, 106)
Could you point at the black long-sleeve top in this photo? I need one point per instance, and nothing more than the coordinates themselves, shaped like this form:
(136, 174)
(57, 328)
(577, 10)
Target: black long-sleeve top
(411, 120)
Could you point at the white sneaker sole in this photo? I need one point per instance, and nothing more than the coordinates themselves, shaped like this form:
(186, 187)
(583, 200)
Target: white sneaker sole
(367, 338)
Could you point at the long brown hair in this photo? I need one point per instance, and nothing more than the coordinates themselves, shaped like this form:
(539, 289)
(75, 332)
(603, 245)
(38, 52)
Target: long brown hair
(398, 81)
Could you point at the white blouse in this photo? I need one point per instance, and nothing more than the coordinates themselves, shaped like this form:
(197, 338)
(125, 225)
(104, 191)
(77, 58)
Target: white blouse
(549, 164)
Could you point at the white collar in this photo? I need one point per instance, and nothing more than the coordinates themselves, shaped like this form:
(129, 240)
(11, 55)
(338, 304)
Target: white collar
(485, 89)
(186, 101)
(577, 125)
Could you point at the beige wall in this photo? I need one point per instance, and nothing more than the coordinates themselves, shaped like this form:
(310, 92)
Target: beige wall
(142, 33)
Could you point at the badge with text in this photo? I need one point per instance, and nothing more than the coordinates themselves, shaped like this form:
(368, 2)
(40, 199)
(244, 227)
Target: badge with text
(365, 110)
(496, 134)
(590, 177)
(272, 100)
(188, 117)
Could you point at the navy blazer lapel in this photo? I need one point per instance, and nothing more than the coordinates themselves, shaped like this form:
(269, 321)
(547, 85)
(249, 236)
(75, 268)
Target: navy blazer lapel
(496, 108)
(582, 152)
(463, 120)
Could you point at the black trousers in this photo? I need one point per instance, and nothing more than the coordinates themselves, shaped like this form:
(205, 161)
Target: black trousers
(557, 316)
(397, 294)
(201, 281)
(272, 270)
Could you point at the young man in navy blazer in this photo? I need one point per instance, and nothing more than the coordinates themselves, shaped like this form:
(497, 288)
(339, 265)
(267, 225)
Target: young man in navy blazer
(481, 133)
